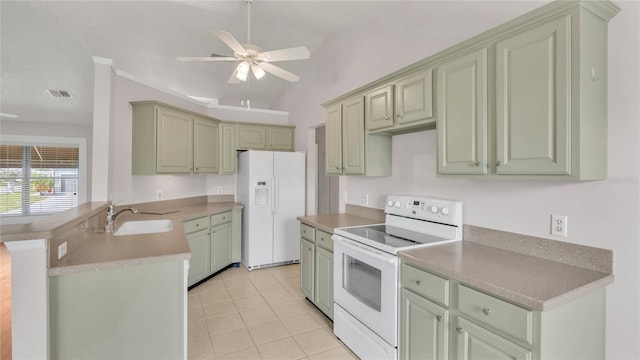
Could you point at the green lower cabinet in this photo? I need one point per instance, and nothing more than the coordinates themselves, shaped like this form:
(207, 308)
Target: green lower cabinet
(220, 246)
(424, 328)
(199, 243)
(441, 318)
(307, 260)
(475, 342)
(324, 281)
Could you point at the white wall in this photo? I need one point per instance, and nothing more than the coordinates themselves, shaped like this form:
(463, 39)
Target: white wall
(603, 213)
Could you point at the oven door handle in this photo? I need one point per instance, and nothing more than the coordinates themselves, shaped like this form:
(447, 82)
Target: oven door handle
(356, 247)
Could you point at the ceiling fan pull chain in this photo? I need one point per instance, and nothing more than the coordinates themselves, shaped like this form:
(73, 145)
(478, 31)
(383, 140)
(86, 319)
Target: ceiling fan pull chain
(249, 2)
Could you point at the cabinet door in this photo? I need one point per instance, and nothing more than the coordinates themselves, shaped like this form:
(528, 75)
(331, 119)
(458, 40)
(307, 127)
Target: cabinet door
(307, 267)
(424, 328)
(174, 142)
(220, 246)
(280, 138)
(462, 114)
(353, 136)
(199, 267)
(533, 80)
(252, 137)
(379, 112)
(333, 140)
(228, 157)
(414, 97)
(475, 342)
(324, 281)
(205, 146)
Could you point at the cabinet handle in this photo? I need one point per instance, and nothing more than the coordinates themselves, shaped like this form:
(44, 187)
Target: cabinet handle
(386, 118)
(197, 225)
(477, 163)
(486, 311)
(398, 116)
(418, 282)
(498, 163)
(439, 318)
(459, 330)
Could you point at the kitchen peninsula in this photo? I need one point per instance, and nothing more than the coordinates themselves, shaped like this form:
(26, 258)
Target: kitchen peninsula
(135, 284)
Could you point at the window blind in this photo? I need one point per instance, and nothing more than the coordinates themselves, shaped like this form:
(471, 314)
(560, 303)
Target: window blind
(38, 179)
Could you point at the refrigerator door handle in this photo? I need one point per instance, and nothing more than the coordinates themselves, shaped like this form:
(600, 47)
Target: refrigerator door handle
(276, 194)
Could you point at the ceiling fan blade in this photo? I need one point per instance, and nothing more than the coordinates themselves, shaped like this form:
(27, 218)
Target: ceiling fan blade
(233, 79)
(295, 53)
(231, 41)
(279, 72)
(207, 58)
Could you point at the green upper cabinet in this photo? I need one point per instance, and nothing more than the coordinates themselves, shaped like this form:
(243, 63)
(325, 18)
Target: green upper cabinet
(379, 112)
(174, 141)
(353, 137)
(349, 150)
(227, 141)
(205, 146)
(280, 138)
(333, 139)
(533, 98)
(265, 137)
(168, 140)
(462, 114)
(404, 105)
(526, 99)
(547, 76)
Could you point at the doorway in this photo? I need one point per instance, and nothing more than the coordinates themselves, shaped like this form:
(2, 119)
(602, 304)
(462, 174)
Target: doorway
(327, 186)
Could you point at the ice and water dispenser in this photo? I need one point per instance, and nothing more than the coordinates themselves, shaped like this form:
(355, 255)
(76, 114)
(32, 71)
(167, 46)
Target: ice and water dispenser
(261, 196)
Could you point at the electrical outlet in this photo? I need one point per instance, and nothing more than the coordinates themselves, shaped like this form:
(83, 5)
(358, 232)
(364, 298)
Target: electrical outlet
(62, 250)
(365, 199)
(159, 196)
(219, 190)
(559, 225)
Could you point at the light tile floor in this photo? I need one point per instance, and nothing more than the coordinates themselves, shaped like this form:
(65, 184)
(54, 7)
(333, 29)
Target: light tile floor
(259, 314)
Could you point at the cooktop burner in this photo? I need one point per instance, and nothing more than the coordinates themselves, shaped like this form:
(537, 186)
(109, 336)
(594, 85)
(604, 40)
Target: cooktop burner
(411, 221)
(385, 234)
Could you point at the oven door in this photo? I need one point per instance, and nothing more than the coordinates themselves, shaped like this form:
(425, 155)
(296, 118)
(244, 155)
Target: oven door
(365, 284)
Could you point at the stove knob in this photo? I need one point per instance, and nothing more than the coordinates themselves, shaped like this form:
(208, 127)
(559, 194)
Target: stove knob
(434, 209)
(390, 203)
(397, 204)
(444, 211)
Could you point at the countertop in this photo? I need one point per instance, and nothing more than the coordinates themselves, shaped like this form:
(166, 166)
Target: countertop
(98, 250)
(532, 282)
(536, 273)
(43, 227)
(329, 222)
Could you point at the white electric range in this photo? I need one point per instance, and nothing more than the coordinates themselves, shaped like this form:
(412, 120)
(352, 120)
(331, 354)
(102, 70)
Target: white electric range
(366, 272)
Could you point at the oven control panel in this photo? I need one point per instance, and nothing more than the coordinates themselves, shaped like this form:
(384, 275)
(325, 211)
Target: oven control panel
(425, 208)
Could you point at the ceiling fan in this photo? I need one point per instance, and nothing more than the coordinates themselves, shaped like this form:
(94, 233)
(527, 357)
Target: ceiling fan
(252, 57)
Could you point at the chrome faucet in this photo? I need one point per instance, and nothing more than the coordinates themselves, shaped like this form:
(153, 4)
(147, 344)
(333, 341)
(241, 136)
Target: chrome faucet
(112, 216)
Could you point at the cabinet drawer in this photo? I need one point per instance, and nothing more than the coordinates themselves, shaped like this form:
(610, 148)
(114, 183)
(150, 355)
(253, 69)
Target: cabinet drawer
(502, 315)
(323, 239)
(425, 284)
(218, 219)
(196, 225)
(307, 232)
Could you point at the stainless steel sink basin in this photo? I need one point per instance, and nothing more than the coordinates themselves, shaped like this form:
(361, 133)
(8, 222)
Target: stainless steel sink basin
(145, 227)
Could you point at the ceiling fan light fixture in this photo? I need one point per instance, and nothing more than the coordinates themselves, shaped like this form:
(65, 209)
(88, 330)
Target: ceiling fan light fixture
(242, 71)
(257, 71)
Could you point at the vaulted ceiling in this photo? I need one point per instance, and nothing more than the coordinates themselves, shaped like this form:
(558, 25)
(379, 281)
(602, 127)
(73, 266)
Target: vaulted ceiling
(50, 44)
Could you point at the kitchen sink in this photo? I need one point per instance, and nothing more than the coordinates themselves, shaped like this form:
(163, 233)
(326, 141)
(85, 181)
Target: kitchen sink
(145, 227)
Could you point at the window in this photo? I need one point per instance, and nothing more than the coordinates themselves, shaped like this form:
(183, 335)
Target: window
(40, 178)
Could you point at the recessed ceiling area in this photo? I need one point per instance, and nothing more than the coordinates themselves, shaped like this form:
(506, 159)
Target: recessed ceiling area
(50, 44)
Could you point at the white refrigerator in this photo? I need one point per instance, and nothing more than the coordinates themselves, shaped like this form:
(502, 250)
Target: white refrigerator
(271, 186)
